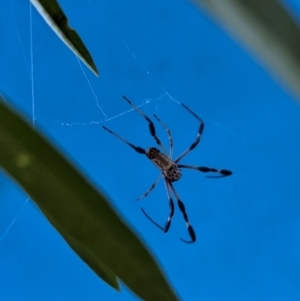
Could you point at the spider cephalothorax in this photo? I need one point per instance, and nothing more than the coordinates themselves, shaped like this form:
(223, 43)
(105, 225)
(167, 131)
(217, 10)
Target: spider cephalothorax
(170, 169)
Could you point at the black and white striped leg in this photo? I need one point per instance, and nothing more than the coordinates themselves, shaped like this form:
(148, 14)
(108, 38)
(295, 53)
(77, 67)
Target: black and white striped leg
(199, 133)
(151, 124)
(222, 172)
(182, 209)
(138, 149)
(169, 135)
(151, 188)
(171, 204)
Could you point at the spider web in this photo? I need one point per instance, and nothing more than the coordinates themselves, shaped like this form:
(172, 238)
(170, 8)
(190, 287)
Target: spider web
(100, 97)
(240, 222)
(67, 102)
(29, 61)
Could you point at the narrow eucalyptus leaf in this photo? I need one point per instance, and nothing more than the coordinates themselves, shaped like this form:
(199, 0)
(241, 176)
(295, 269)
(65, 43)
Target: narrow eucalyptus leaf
(89, 258)
(267, 29)
(57, 20)
(79, 212)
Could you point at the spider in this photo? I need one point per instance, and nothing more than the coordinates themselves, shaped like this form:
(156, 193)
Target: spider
(170, 169)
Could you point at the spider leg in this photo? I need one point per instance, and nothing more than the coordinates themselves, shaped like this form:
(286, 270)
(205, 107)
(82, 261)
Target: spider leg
(151, 188)
(171, 204)
(199, 133)
(182, 209)
(223, 172)
(151, 124)
(169, 135)
(138, 149)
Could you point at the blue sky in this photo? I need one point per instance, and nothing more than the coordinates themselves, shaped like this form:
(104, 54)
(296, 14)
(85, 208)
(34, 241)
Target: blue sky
(155, 53)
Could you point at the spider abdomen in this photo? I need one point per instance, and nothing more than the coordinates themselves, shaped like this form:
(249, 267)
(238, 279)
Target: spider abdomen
(173, 173)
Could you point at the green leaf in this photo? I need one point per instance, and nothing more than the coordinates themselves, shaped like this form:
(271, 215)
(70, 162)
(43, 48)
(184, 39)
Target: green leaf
(57, 20)
(88, 257)
(267, 29)
(81, 214)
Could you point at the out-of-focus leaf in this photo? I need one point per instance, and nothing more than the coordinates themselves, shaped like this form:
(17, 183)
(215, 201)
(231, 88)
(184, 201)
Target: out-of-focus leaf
(89, 258)
(266, 28)
(57, 20)
(78, 211)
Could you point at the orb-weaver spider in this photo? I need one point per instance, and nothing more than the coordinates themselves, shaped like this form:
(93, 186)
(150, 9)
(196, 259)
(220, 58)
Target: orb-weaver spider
(170, 169)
